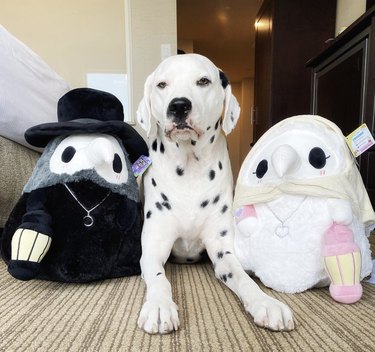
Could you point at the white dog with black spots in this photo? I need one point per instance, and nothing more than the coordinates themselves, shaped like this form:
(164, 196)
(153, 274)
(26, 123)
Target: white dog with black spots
(187, 110)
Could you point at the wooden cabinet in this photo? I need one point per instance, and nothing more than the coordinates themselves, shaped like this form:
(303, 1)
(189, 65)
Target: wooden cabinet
(288, 34)
(343, 85)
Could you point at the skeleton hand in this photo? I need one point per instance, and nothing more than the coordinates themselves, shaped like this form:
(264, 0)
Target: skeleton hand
(28, 249)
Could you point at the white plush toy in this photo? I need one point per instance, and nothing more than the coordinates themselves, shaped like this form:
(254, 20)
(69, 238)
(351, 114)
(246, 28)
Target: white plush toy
(302, 212)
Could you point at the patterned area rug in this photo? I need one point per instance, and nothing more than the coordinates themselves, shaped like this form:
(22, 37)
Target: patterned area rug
(101, 316)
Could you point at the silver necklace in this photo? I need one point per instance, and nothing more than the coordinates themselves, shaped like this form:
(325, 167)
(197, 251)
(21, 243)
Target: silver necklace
(283, 230)
(88, 220)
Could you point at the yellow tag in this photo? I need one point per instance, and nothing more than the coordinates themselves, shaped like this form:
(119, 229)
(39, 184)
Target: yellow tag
(360, 140)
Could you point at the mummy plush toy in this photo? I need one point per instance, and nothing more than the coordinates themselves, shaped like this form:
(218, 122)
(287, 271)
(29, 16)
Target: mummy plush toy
(302, 212)
(79, 217)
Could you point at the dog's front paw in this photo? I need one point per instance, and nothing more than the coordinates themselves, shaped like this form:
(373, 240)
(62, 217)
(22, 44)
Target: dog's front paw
(271, 314)
(159, 316)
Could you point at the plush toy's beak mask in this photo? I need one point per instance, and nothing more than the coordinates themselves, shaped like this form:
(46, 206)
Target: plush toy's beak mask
(100, 152)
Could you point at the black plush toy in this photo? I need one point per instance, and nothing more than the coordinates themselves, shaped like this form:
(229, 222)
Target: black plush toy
(79, 217)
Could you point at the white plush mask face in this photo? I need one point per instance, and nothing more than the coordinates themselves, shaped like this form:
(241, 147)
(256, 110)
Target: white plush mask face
(100, 152)
(296, 152)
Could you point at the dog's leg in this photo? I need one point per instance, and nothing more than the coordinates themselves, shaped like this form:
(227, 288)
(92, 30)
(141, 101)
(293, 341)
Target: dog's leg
(159, 312)
(265, 310)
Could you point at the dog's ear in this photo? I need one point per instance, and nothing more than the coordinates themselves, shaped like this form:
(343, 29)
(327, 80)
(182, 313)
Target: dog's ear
(231, 107)
(224, 79)
(144, 116)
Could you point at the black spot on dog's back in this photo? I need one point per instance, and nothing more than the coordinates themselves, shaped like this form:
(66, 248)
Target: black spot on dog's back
(166, 205)
(204, 203)
(154, 145)
(217, 124)
(179, 171)
(223, 233)
(211, 175)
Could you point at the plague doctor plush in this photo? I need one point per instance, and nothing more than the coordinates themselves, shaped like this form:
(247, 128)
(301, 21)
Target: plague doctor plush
(302, 212)
(79, 217)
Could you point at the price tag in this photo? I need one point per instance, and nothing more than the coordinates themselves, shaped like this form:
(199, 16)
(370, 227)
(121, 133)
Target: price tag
(360, 140)
(141, 165)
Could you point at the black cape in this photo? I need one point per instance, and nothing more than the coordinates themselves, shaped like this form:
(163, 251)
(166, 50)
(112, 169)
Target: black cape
(110, 248)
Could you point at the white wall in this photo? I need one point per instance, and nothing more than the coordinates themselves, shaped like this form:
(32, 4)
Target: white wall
(73, 37)
(77, 37)
(347, 12)
(150, 24)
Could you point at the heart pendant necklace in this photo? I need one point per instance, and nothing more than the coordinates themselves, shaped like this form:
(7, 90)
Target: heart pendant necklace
(88, 220)
(282, 230)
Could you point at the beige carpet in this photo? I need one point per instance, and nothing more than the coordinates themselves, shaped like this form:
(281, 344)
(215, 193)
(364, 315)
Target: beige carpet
(49, 316)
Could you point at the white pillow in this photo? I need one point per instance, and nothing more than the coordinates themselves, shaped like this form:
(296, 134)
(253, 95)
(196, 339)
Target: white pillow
(29, 89)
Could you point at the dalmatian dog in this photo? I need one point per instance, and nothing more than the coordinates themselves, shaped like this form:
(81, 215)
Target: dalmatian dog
(186, 110)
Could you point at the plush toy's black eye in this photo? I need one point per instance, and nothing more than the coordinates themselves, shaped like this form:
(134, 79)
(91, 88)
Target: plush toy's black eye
(117, 164)
(317, 158)
(68, 154)
(262, 168)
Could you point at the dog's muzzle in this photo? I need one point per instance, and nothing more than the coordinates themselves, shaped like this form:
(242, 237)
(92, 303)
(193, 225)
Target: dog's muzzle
(178, 110)
(180, 126)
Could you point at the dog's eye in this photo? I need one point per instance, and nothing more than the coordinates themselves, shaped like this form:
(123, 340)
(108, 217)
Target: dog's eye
(161, 85)
(204, 81)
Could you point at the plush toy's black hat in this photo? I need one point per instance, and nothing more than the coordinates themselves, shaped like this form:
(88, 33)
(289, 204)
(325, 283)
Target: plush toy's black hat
(87, 111)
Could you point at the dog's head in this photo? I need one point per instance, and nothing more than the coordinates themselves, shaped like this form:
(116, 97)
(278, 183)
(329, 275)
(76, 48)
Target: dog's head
(185, 96)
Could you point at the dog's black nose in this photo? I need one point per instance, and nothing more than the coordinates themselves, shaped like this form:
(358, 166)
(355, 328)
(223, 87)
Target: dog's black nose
(178, 109)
